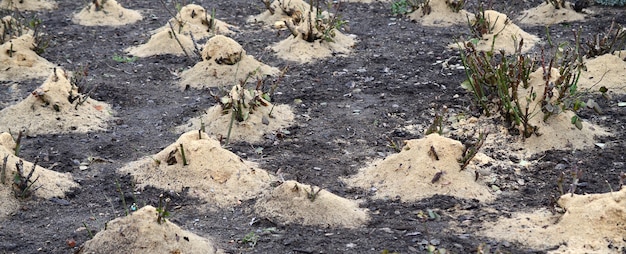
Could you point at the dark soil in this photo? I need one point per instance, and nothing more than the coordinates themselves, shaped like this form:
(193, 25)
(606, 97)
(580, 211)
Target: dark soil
(344, 121)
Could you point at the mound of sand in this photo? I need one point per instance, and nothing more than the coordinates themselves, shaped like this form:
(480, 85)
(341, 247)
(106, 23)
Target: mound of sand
(106, 13)
(296, 14)
(298, 50)
(411, 173)
(19, 62)
(224, 63)
(440, 15)
(192, 20)
(250, 130)
(49, 109)
(592, 223)
(506, 35)
(212, 173)
(607, 70)
(28, 5)
(49, 183)
(283, 11)
(546, 14)
(293, 202)
(139, 232)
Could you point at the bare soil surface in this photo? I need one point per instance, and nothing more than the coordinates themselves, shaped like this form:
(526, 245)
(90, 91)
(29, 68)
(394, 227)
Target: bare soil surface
(346, 110)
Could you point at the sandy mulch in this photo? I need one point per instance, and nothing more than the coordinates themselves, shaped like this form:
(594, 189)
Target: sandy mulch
(212, 173)
(194, 21)
(140, 232)
(283, 11)
(506, 35)
(28, 5)
(224, 64)
(608, 70)
(49, 183)
(292, 202)
(23, 63)
(106, 13)
(298, 50)
(411, 173)
(546, 14)
(251, 130)
(440, 15)
(594, 223)
(48, 110)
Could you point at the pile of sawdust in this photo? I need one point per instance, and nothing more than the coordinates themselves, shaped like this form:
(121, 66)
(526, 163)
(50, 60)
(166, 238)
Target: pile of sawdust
(251, 130)
(49, 183)
(224, 63)
(608, 70)
(140, 232)
(411, 174)
(19, 62)
(106, 13)
(546, 14)
(48, 110)
(28, 5)
(293, 202)
(192, 20)
(440, 15)
(506, 35)
(211, 172)
(592, 223)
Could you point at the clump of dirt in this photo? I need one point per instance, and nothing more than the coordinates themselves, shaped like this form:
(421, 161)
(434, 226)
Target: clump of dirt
(608, 70)
(224, 63)
(106, 13)
(20, 62)
(192, 20)
(140, 232)
(591, 223)
(423, 168)
(439, 14)
(56, 107)
(208, 170)
(293, 202)
(506, 35)
(28, 5)
(45, 183)
(547, 14)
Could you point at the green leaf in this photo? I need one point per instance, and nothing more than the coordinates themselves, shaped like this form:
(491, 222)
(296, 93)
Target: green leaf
(603, 89)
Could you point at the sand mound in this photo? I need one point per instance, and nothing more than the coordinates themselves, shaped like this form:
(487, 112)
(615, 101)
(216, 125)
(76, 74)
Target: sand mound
(250, 130)
(283, 10)
(606, 70)
(506, 35)
(298, 50)
(48, 110)
(440, 15)
(410, 173)
(224, 63)
(192, 20)
(293, 202)
(28, 5)
(49, 183)
(106, 13)
(212, 173)
(591, 224)
(139, 232)
(23, 63)
(546, 14)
